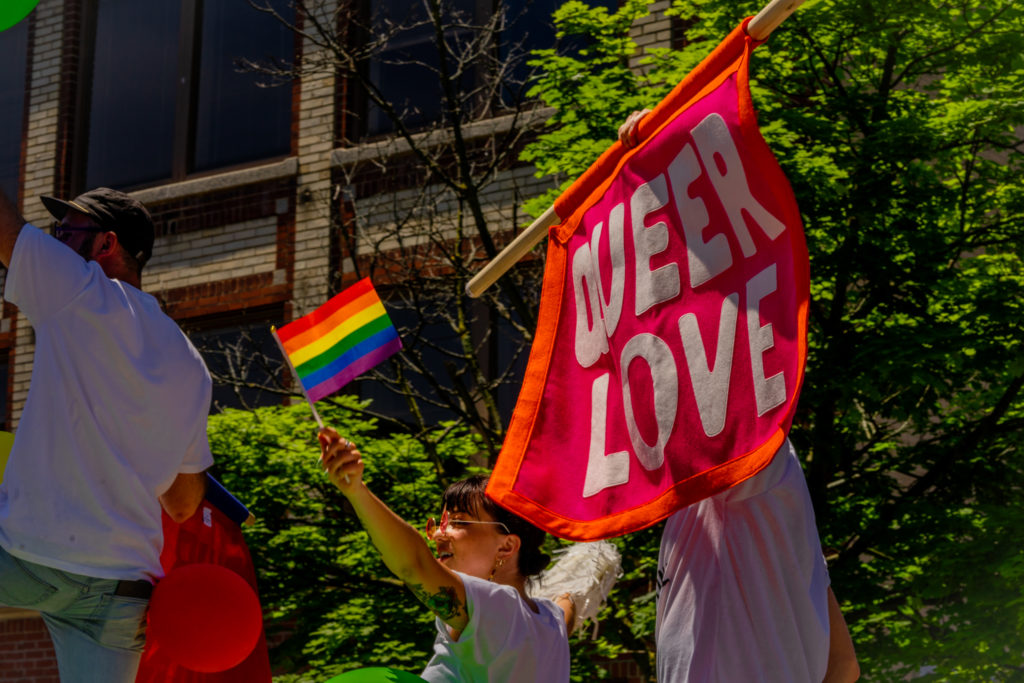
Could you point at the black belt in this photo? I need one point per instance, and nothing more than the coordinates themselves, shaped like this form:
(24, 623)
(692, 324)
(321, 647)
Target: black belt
(134, 589)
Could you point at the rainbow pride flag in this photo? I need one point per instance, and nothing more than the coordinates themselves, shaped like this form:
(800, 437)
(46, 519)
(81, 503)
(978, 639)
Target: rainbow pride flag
(339, 341)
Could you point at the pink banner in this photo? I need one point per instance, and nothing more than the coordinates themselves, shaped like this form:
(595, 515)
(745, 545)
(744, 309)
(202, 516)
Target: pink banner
(670, 348)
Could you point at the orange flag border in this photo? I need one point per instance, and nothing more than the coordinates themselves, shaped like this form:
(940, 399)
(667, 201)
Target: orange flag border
(730, 57)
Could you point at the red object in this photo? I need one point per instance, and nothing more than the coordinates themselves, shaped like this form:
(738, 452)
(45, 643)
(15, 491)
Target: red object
(208, 538)
(671, 337)
(205, 617)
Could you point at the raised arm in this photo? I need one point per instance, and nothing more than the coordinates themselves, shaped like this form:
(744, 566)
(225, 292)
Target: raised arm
(11, 223)
(401, 547)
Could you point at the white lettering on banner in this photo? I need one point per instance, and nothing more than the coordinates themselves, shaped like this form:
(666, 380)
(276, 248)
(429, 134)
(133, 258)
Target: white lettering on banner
(603, 470)
(611, 309)
(661, 284)
(597, 317)
(717, 149)
(711, 385)
(769, 392)
(591, 339)
(664, 380)
(706, 259)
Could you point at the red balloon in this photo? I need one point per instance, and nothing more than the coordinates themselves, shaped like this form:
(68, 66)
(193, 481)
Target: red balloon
(205, 617)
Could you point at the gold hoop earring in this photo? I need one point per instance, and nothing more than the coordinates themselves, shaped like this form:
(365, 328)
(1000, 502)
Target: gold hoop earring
(497, 565)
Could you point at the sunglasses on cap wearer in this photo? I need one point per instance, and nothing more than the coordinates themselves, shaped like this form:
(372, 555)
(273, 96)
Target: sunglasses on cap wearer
(447, 521)
(64, 232)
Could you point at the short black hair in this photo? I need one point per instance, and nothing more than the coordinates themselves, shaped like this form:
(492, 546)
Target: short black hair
(468, 495)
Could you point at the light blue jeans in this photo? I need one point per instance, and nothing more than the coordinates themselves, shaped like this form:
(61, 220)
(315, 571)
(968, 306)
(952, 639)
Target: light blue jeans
(98, 636)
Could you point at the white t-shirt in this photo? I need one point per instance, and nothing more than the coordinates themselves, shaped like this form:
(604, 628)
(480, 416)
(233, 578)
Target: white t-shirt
(116, 409)
(742, 585)
(504, 642)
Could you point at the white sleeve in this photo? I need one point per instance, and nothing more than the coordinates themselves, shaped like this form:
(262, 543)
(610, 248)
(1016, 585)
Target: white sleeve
(198, 457)
(45, 275)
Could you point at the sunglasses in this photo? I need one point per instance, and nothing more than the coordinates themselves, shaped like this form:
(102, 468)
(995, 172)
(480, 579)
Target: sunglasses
(446, 521)
(64, 232)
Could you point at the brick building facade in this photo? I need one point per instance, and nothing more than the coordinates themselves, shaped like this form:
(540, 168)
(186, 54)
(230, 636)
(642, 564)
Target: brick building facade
(244, 235)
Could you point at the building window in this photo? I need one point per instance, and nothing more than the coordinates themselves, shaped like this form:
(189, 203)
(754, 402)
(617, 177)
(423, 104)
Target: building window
(431, 344)
(528, 27)
(14, 57)
(165, 98)
(242, 357)
(405, 69)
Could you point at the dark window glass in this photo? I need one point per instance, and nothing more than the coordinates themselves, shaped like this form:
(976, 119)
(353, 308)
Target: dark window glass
(237, 120)
(436, 344)
(512, 352)
(528, 26)
(427, 336)
(14, 57)
(243, 359)
(405, 72)
(162, 105)
(131, 115)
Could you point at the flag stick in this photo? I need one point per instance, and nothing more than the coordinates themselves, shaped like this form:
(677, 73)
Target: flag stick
(759, 28)
(510, 255)
(295, 374)
(770, 16)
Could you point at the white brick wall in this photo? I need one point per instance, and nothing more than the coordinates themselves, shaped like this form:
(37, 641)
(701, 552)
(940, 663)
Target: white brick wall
(224, 252)
(377, 217)
(653, 30)
(250, 247)
(312, 218)
(40, 156)
(43, 110)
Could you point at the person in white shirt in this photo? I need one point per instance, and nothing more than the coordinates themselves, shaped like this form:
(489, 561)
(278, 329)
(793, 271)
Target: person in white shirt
(113, 428)
(489, 630)
(743, 589)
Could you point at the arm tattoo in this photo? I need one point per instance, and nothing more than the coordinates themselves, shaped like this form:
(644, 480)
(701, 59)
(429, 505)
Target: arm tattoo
(443, 603)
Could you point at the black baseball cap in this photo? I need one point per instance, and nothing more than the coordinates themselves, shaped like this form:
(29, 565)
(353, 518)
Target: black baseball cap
(114, 211)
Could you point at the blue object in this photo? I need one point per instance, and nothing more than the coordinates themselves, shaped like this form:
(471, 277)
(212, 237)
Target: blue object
(221, 499)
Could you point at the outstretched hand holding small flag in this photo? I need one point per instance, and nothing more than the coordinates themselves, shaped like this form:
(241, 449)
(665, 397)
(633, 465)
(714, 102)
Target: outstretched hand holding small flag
(339, 341)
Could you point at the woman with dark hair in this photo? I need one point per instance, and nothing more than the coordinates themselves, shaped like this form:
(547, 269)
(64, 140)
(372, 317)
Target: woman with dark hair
(489, 629)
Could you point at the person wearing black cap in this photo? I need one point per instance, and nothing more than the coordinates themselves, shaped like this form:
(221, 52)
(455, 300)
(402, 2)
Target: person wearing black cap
(114, 427)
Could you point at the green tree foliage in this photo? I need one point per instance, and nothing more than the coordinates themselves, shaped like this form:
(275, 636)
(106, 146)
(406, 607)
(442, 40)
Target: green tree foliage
(419, 215)
(329, 602)
(321, 582)
(899, 125)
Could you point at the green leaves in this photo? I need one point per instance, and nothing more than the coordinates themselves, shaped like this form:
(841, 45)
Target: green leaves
(898, 124)
(322, 584)
(589, 83)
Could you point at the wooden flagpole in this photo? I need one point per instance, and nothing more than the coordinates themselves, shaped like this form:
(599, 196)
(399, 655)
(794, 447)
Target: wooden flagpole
(770, 16)
(759, 28)
(295, 374)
